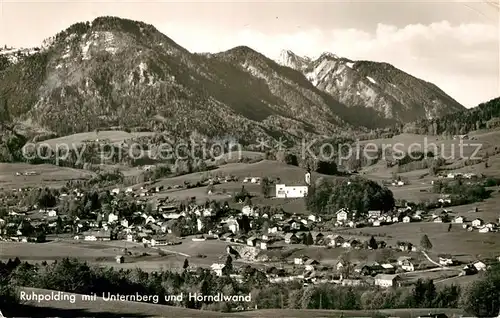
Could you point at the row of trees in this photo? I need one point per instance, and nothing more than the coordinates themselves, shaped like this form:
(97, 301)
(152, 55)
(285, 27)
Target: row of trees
(71, 275)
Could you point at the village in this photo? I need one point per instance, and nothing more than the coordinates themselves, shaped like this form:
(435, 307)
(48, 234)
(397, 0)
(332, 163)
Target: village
(287, 246)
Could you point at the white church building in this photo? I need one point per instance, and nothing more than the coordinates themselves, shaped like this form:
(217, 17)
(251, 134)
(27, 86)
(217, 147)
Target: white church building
(295, 191)
(284, 191)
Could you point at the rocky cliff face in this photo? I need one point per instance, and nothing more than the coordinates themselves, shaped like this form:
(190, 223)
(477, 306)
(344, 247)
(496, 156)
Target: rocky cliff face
(392, 93)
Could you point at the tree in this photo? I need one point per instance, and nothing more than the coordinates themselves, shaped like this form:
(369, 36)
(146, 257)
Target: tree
(228, 266)
(265, 185)
(372, 243)
(308, 239)
(327, 167)
(248, 201)
(482, 298)
(362, 195)
(425, 243)
(186, 264)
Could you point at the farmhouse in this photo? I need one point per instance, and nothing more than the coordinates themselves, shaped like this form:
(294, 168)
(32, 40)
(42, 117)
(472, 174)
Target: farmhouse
(263, 245)
(459, 219)
(384, 280)
(159, 240)
(317, 237)
(445, 259)
(97, 236)
(374, 214)
(342, 214)
(310, 264)
(284, 191)
(480, 266)
(252, 241)
(299, 260)
(335, 240)
(406, 219)
(477, 222)
(217, 268)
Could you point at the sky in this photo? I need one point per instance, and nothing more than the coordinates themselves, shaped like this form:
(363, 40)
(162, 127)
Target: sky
(452, 44)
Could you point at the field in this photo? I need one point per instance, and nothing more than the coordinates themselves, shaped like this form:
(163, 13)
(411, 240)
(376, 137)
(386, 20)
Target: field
(113, 136)
(101, 308)
(458, 242)
(45, 175)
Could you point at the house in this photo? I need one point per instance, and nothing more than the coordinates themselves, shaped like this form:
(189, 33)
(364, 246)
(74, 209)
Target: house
(477, 223)
(247, 210)
(291, 238)
(283, 191)
(405, 246)
(335, 240)
(310, 264)
(168, 226)
(459, 219)
(445, 259)
(97, 236)
(318, 237)
(340, 264)
(437, 219)
(314, 218)
(299, 260)
(376, 223)
(402, 259)
(385, 280)
(119, 259)
(159, 240)
(480, 266)
(263, 245)
(342, 215)
(408, 266)
(352, 243)
(255, 180)
(406, 219)
(374, 214)
(233, 225)
(228, 237)
(491, 226)
(484, 229)
(52, 213)
(217, 268)
(112, 218)
(252, 241)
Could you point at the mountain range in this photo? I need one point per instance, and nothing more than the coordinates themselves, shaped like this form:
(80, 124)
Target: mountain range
(115, 72)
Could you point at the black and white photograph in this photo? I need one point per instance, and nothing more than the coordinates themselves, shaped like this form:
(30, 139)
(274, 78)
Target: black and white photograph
(284, 159)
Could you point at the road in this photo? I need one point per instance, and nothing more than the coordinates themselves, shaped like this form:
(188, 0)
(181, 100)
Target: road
(432, 261)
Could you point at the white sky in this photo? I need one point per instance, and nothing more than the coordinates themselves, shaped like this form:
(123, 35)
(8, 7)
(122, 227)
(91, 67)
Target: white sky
(455, 45)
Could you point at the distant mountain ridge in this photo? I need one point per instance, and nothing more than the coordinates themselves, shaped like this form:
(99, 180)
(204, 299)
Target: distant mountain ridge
(115, 72)
(389, 91)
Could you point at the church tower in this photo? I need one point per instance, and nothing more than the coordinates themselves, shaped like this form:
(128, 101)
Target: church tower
(307, 177)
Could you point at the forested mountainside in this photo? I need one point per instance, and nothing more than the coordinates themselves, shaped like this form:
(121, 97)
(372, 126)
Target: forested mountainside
(115, 72)
(484, 116)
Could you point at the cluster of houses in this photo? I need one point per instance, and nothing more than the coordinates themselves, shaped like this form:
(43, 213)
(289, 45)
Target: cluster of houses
(477, 224)
(345, 217)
